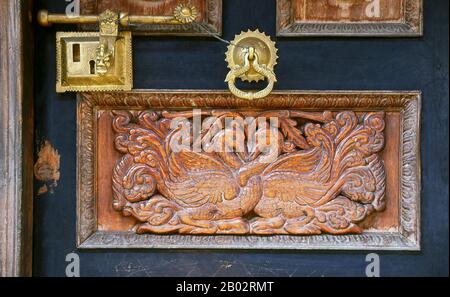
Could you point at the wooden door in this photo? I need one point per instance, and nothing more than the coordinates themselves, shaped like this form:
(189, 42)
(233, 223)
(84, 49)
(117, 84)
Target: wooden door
(322, 64)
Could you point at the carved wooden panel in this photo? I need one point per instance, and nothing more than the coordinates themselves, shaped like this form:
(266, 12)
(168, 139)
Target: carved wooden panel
(349, 17)
(334, 181)
(209, 14)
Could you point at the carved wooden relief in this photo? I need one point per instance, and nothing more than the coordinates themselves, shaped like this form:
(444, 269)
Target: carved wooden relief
(209, 14)
(326, 175)
(349, 17)
(334, 181)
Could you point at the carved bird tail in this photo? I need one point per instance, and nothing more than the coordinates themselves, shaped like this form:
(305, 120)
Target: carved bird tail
(131, 183)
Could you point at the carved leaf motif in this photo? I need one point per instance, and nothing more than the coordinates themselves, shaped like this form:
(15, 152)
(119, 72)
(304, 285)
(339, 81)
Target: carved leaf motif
(288, 126)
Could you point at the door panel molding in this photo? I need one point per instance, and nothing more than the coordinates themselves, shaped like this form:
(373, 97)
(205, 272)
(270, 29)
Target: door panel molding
(94, 229)
(294, 19)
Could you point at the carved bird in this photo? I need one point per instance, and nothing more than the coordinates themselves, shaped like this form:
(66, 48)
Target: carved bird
(324, 177)
(207, 192)
(329, 187)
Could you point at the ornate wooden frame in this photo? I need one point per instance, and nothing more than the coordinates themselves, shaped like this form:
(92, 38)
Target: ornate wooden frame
(213, 21)
(408, 104)
(412, 24)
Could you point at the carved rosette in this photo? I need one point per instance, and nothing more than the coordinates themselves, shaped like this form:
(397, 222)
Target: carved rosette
(326, 175)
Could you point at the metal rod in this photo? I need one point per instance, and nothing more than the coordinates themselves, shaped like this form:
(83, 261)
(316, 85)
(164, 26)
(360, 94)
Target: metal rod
(47, 19)
(126, 20)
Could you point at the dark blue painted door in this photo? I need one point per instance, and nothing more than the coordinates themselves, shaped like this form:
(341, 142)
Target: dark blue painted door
(304, 64)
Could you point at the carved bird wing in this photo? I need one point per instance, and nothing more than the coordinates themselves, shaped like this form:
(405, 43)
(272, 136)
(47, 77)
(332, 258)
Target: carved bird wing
(299, 177)
(309, 164)
(198, 178)
(186, 161)
(291, 187)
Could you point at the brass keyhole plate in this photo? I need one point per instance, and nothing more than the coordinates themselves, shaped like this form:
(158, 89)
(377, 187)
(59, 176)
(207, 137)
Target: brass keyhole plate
(76, 63)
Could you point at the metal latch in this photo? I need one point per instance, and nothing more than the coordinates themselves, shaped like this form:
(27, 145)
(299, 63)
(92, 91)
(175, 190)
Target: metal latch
(102, 61)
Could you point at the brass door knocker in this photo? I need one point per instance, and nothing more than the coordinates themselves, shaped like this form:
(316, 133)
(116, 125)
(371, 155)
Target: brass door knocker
(251, 56)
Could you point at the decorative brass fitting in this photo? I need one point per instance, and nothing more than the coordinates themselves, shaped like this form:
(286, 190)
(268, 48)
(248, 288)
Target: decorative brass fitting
(102, 61)
(251, 56)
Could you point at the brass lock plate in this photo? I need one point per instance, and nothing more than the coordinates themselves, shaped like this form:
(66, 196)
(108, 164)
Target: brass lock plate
(76, 58)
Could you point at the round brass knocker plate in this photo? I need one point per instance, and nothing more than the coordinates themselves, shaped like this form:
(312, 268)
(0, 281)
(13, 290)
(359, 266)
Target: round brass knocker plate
(264, 47)
(251, 57)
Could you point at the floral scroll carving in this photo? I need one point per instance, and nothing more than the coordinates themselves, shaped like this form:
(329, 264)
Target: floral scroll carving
(327, 175)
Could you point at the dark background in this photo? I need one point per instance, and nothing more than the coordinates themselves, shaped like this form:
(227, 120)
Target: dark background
(304, 64)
